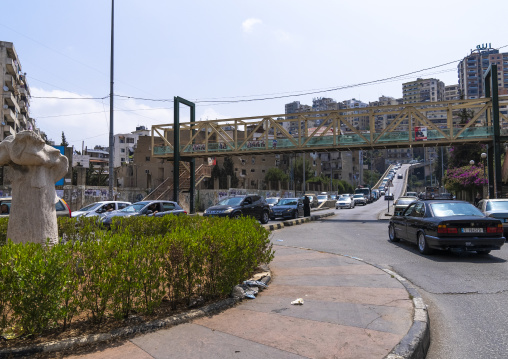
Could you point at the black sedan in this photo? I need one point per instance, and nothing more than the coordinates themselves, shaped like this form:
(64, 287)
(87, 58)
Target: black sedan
(287, 208)
(445, 224)
(145, 208)
(234, 207)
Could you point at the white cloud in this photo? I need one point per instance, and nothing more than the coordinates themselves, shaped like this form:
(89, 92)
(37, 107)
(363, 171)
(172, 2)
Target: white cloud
(248, 25)
(88, 120)
(210, 114)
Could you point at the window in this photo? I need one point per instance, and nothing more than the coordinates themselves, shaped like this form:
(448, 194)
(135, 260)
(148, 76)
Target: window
(147, 158)
(244, 172)
(122, 150)
(122, 159)
(122, 205)
(122, 140)
(253, 170)
(253, 160)
(168, 206)
(130, 140)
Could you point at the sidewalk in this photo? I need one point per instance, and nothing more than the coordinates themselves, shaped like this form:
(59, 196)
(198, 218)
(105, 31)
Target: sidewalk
(351, 310)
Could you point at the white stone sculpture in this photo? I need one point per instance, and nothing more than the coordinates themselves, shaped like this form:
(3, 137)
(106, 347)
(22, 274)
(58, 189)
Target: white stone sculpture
(34, 169)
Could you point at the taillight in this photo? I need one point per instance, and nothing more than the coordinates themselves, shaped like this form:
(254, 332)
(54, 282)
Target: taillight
(498, 229)
(443, 229)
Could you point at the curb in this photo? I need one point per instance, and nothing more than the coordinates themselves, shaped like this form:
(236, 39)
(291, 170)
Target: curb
(416, 342)
(120, 332)
(293, 222)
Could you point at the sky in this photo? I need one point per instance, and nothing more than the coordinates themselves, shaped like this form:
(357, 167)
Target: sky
(230, 51)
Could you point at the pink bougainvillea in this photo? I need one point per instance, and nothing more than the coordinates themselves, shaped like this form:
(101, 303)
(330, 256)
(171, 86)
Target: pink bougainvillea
(465, 178)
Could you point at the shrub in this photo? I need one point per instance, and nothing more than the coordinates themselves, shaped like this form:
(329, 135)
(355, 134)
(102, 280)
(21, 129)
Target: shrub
(129, 269)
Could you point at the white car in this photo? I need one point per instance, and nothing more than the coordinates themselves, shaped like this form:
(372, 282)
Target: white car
(359, 199)
(344, 202)
(98, 208)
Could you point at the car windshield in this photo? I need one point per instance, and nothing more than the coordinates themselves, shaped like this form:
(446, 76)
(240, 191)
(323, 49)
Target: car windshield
(288, 202)
(344, 198)
(322, 197)
(231, 201)
(497, 206)
(455, 209)
(90, 207)
(134, 208)
(272, 200)
(358, 196)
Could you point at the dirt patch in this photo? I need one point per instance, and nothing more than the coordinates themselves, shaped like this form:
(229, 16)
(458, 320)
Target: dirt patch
(84, 326)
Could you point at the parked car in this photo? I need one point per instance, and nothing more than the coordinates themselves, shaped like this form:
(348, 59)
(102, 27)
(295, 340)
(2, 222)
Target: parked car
(344, 201)
(144, 208)
(399, 176)
(287, 208)
(389, 196)
(61, 207)
(237, 206)
(98, 208)
(401, 204)
(496, 208)
(272, 201)
(444, 224)
(359, 199)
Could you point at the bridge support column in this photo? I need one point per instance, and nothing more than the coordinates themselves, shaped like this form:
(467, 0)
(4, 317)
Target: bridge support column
(495, 168)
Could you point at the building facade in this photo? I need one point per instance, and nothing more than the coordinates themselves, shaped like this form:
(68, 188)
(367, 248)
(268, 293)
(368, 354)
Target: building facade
(473, 66)
(423, 90)
(125, 144)
(15, 109)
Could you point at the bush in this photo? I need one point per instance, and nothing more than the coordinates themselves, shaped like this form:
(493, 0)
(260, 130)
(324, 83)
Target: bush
(129, 269)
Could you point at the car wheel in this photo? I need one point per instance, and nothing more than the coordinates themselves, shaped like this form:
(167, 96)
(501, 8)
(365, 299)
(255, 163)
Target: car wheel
(336, 207)
(265, 217)
(487, 251)
(391, 234)
(237, 215)
(423, 247)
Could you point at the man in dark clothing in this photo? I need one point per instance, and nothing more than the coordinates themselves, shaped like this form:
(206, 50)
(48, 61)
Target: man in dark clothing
(306, 206)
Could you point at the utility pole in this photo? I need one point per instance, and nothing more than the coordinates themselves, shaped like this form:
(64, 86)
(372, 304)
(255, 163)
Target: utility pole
(111, 138)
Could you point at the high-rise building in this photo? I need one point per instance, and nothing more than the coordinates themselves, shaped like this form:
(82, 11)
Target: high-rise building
(14, 112)
(473, 66)
(452, 92)
(423, 90)
(125, 143)
(295, 107)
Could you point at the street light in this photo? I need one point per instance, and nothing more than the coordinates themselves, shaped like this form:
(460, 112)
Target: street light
(484, 156)
(471, 162)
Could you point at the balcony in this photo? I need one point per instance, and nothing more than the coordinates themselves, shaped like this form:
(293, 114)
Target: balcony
(12, 68)
(9, 115)
(22, 121)
(11, 101)
(23, 106)
(8, 131)
(9, 82)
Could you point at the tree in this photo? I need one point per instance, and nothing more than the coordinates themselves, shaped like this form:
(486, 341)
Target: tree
(64, 141)
(275, 174)
(460, 155)
(370, 178)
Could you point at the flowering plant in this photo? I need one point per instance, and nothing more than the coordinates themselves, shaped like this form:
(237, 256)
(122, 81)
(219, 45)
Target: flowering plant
(467, 178)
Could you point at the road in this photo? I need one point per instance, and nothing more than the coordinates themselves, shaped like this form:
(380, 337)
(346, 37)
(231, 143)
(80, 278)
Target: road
(467, 294)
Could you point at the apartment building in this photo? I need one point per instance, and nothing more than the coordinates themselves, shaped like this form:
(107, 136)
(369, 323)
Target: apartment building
(452, 92)
(14, 111)
(125, 143)
(295, 107)
(473, 66)
(423, 90)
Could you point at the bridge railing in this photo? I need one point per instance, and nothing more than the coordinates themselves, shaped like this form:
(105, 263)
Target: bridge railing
(387, 126)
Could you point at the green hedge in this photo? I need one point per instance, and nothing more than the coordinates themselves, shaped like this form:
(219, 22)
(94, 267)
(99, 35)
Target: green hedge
(127, 269)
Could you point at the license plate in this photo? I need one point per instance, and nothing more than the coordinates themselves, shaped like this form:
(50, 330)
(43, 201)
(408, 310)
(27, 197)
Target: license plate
(472, 230)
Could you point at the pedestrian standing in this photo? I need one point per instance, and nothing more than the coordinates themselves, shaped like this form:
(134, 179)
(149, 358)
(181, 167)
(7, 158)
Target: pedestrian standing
(306, 206)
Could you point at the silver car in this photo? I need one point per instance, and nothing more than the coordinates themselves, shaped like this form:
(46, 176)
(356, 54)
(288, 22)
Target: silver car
(98, 208)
